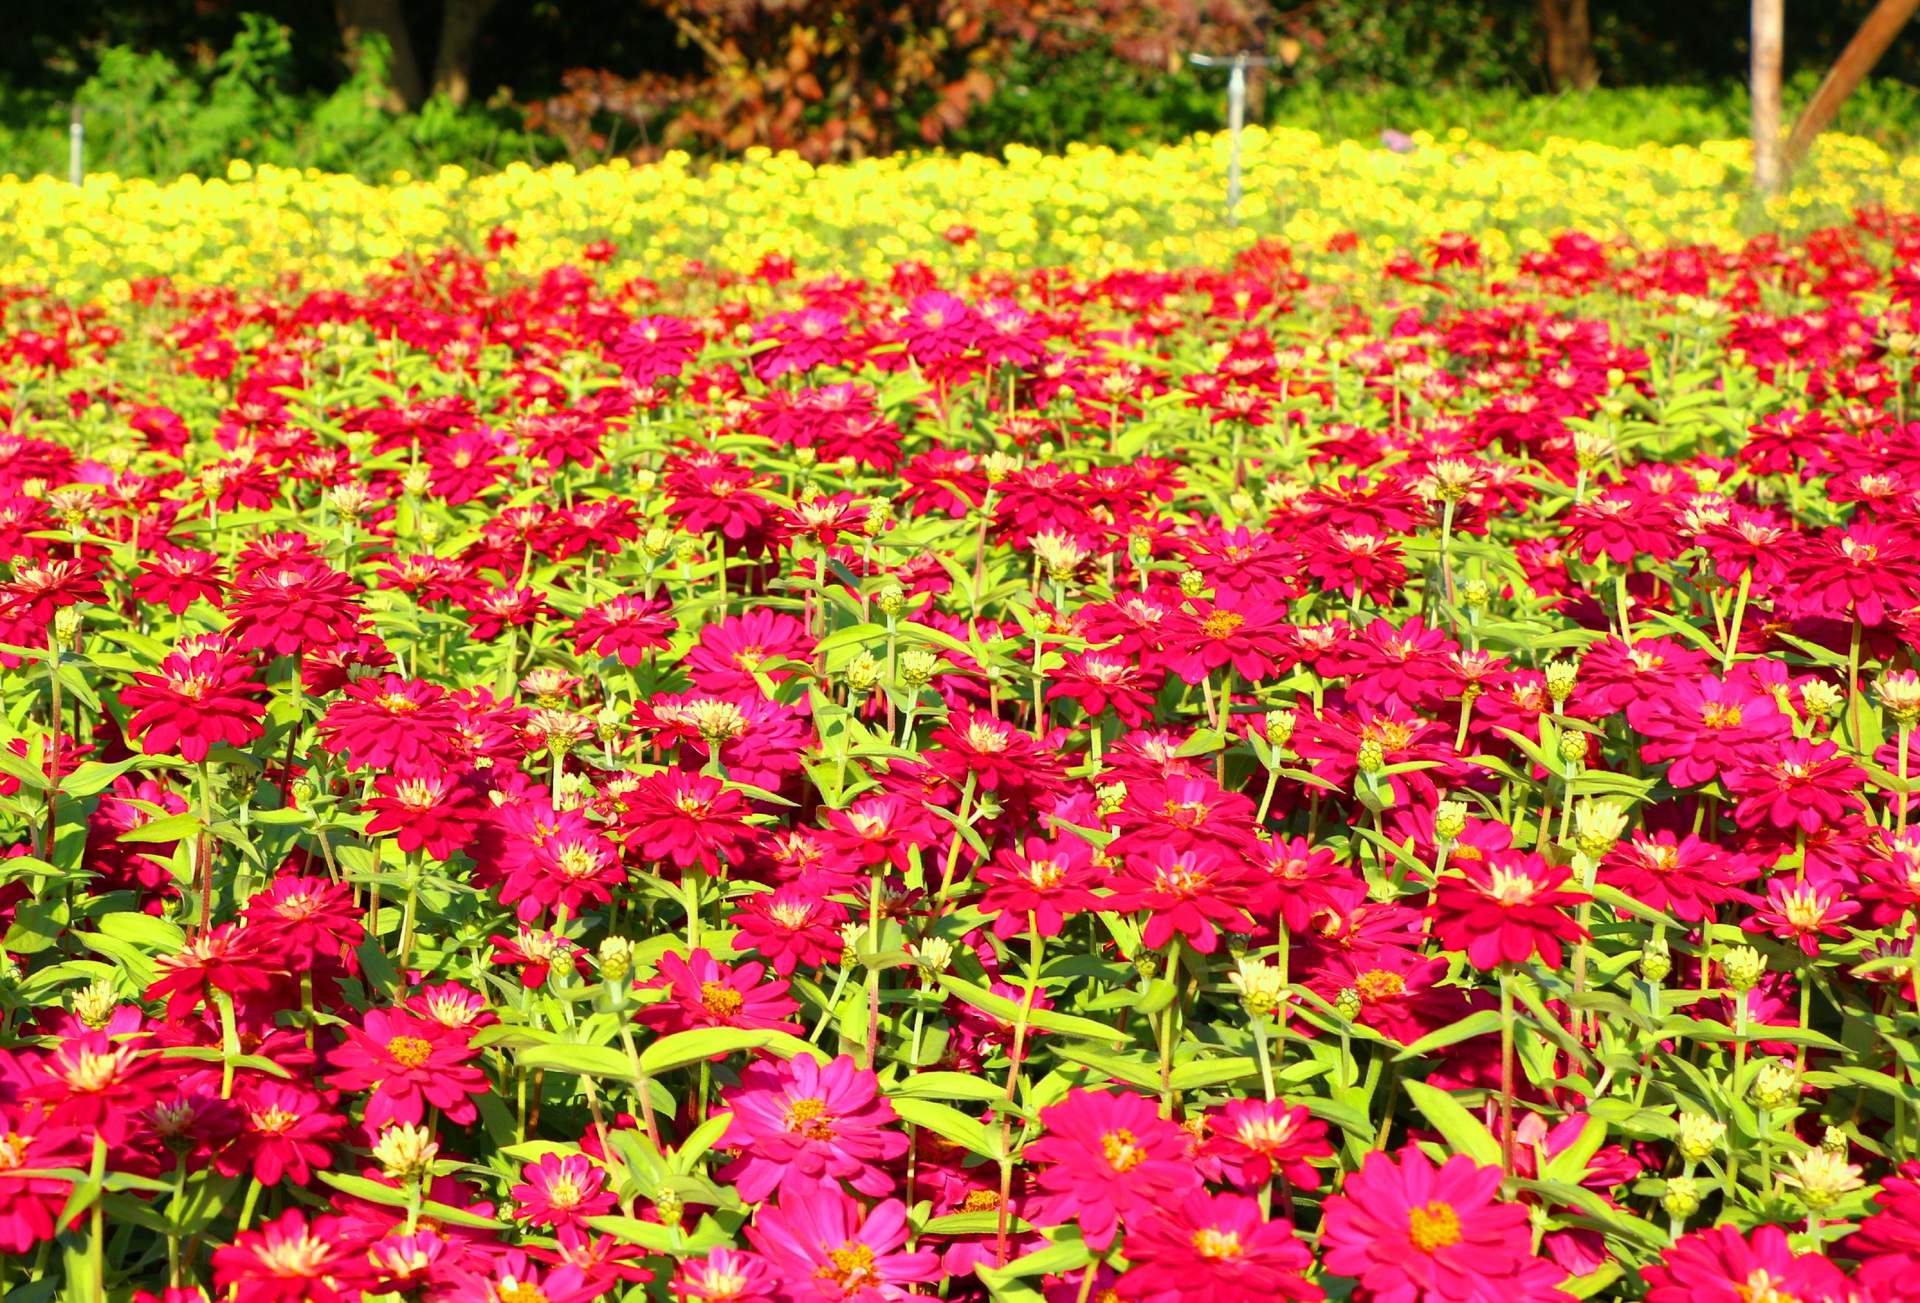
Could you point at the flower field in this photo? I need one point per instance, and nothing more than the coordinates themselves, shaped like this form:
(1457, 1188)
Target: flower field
(1364, 762)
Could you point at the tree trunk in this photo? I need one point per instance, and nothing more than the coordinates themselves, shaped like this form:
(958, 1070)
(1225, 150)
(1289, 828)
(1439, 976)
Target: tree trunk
(459, 34)
(1854, 63)
(362, 18)
(1769, 24)
(1570, 61)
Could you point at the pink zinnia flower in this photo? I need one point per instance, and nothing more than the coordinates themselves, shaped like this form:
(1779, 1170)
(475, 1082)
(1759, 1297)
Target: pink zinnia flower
(389, 722)
(561, 1190)
(1413, 1233)
(798, 1124)
(1507, 909)
(1802, 784)
(1720, 1266)
(727, 1276)
(1105, 1157)
(1802, 912)
(829, 1253)
(789, 927)
(408, 1063)
(1253, 1139)
(703, 992)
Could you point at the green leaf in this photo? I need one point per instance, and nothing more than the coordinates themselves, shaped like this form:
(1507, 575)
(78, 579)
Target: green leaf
(1478, 1023)
(157, 934)
(684, 1048)
(1009, 1011)
(582, 1060)
(949, 1123)
(173, 828)
(945, 1085)
(1462, 1130)
(631, 1230)
(92, 777)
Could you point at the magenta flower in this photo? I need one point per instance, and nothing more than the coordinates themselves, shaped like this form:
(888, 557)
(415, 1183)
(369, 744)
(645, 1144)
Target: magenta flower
(828, 1253)
(1106, 1157)
(1216, 1248)
(561, 1191)
(798, 1124)
(410, 1064)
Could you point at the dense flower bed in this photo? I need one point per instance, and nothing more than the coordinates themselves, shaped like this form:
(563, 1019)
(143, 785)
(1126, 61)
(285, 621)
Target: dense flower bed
(1207, 784)
(1093, 209)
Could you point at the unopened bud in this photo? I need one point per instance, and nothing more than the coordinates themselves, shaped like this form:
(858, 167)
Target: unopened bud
(892, 599)
(864, 673)
(1899, 692)
(1371, 759)
(616, 960)
(935, 954)
(1280, 726)
(1743, 966)
(1260, 986)
(1450, 819)
(1822, 1176)
(1700, 1136)
(1348, 1003)
(1682, 1198)
(1192, 583)
(1573, 747)
(669, 1205)
(1111, 796)
(405, 1152)
(1820, 698)
(1597, 825)
(1560, 677)
(94, 1003)
(1474, 594)
(1776, 1084)
(657, 542)
(916, 668)
(416, 481)
(1656, 960)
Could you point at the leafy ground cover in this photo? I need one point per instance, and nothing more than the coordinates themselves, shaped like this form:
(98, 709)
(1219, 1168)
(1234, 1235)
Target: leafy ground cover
(548, 772)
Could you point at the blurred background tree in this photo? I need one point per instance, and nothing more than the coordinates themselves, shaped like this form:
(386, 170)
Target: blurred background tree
(376, 84)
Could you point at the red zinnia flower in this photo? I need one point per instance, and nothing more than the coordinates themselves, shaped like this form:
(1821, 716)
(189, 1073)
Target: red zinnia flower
(174, 577)
(1802, 912)
(29, 1204)
(1253, 1139)
(286, 1131)
(1051, 882)
(286, 608)
(1194, 892)
(1505, 909)
(288, 1261)
(625, 627)
(829, 1252)
(1803, 784)
(1685, 877)
(305, 923)
(687, 818)
(561, 1191)
(389, 722)
(37, 592)
(428, 809)
(788, 927)
(1206, 637)
(198, 700)
(226, 958)
(1216, 1248)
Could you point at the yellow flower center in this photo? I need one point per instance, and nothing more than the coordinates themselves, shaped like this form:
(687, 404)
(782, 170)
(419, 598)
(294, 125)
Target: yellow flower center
(1211, 1242)
(850, 1266)
(721, 1000)
(516, 1291)
(1433, 1227)
(980, 1201)
(1715, 715)
(1510, 887)
(1221, 623)
(1378, 984)
(1122, 1151)
(410, 1051)
(809, 1118)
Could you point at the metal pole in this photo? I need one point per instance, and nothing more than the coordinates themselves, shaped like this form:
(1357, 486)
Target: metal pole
(77, 146)
(1236, 119)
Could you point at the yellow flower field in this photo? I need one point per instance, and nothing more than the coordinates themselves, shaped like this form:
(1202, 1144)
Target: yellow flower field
(1089, 207)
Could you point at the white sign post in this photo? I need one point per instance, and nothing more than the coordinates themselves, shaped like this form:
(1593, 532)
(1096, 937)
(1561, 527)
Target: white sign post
(1236, 111)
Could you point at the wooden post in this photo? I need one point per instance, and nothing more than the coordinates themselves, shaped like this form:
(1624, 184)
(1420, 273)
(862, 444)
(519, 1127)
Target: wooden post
(1769, 24)
(1848, 71)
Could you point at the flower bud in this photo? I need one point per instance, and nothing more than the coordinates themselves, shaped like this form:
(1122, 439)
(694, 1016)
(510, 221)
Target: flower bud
(1822, 1177)
(1280, 726)
(1821, 699)
(93, 1004)
(415, 481)
(1348, 1003)
(1261, 989)
(658, 541)
(66, 623)
(1192, 583)
(1450, 819)
(1700, 1135)
(1656, 960)
(916, 668)
(1147, 965)
(1835, 1141)
(1111, 797)
(998, 466)
(405, 1152)
(616, 960)
(935, 954)
(1591, 447)
(891, 599)
(1776, 1084)
(1474, 594)
(879, 516)
(1743, 966)
(853, 943)
(669, 1205)
(864, 673)
(1573, 747)
(1899, 692)
(1682, 1199)
(1370, 759)
(1560, 677)
(1597, 825)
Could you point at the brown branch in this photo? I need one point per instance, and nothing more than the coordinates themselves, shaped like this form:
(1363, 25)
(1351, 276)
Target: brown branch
(1848, 71)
